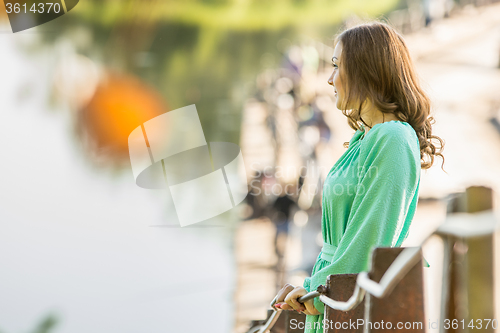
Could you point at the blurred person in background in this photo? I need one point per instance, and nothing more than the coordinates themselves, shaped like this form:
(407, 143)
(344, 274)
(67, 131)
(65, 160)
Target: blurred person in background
(256, 198)
(282, 212)
(370, 194)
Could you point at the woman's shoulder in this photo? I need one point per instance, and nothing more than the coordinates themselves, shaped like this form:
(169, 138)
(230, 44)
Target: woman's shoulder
(394, 131)
(393, 137)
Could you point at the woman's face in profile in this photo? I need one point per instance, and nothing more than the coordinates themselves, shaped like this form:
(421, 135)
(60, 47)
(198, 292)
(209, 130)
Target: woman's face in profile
(335, 79)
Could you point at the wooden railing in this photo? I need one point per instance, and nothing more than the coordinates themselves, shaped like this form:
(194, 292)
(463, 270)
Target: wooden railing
(392, 292)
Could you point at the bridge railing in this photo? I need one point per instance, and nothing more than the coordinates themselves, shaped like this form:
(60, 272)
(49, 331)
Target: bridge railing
(392, 292)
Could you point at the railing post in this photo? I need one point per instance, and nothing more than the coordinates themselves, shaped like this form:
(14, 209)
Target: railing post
(405, 304)
(293, 319)
(340, 288)
(470, 281)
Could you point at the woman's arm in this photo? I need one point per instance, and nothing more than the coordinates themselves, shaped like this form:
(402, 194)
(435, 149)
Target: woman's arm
(389, 173)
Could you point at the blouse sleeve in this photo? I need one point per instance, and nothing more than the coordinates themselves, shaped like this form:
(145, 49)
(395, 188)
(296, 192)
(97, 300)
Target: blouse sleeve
(388, 179)
(307, 284)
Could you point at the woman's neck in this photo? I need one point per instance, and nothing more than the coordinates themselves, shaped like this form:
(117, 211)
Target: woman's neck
(373, 116)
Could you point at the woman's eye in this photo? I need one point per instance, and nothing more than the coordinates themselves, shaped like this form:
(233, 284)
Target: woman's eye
(335, 66)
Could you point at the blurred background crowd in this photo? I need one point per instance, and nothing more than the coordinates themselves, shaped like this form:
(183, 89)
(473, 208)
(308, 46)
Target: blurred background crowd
(83, 249)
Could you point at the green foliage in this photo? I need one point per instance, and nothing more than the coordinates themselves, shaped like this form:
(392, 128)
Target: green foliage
(240, 14)
(207, 52)
(46, 325)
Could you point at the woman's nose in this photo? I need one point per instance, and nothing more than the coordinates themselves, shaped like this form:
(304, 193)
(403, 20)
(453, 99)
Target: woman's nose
(330, 80)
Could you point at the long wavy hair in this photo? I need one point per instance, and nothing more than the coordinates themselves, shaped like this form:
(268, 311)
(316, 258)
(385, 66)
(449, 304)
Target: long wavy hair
(376, 66)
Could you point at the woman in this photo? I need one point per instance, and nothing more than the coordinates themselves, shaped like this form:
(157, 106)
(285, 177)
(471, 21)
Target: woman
(370, 195)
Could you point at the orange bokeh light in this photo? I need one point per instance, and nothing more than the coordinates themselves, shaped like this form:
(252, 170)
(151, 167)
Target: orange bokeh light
(119, 105)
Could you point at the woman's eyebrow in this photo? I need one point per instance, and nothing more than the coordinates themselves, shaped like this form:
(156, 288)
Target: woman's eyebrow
(334, 58)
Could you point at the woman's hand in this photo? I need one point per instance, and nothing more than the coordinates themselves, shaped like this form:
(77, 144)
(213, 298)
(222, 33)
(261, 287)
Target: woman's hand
(287, 288)
(289, 294)
(306, 308)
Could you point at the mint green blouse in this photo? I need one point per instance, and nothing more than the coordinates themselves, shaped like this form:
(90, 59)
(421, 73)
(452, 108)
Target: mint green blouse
(369, 200)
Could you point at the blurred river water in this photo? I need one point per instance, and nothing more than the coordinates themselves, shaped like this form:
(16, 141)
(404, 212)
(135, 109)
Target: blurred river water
(79, 241)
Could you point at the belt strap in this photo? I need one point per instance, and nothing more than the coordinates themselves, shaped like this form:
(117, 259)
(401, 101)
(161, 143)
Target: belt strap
(328, 251)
